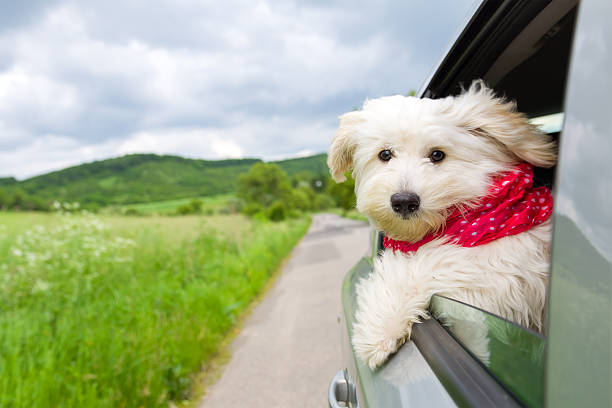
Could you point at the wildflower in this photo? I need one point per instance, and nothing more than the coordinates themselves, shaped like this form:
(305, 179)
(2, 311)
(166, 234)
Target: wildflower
(40, 286)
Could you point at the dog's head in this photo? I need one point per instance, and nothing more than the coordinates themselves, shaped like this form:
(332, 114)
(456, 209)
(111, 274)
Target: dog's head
(415, 160)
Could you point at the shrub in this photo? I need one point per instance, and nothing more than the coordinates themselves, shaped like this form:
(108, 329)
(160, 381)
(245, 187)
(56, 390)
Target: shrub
(184, 209)
(252, 209)
(302, 198)
(343, 193)
(196, 205)
(323, 201)
(132, 211)
(277, 211)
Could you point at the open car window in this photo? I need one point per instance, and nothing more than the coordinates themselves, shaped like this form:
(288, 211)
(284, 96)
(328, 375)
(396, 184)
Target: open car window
(512, 354)
(530, 69)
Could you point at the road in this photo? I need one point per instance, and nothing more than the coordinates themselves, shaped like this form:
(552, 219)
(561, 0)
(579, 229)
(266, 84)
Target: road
(289, 348)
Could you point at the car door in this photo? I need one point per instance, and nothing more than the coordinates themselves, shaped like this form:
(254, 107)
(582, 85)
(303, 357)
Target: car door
(468, 357)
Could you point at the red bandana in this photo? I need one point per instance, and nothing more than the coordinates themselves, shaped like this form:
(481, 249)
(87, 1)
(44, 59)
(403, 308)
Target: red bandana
(511, 207)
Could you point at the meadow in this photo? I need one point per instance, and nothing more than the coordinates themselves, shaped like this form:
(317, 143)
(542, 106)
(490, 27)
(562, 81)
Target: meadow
(124, 311)
(209, 205)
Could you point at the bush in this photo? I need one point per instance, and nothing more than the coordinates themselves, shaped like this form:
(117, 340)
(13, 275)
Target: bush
(132, 211)
(252, 209)
(323, 202)
(302, 198)
(194, 207)
(264, 184)
(267, 189)
(293, 213)
(184, 209)
(343, 193)
(277, 211)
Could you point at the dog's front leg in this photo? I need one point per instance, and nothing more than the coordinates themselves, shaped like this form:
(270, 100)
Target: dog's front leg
(389, 301)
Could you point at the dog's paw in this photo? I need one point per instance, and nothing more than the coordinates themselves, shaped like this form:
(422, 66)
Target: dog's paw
(374, 349)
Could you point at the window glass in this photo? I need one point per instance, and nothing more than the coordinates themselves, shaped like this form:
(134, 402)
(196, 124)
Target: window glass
(512, 354)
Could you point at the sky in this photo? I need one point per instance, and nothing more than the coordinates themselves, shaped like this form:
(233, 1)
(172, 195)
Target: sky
(83, 81)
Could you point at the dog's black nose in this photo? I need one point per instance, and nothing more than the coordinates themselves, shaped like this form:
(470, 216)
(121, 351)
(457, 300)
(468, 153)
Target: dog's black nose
(405, 203)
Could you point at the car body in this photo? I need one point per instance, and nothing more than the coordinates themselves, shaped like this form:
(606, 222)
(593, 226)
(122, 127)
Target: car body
(522, 49)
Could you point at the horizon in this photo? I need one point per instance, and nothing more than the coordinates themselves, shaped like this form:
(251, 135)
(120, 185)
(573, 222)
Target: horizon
(273, 160)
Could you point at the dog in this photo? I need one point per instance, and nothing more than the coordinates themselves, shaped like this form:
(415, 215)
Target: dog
(449, 182)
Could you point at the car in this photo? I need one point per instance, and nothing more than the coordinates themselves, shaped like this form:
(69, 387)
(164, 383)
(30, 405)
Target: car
(554, 57)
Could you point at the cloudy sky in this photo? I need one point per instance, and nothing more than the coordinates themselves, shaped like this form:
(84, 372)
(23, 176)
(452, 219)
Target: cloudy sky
(81, 81)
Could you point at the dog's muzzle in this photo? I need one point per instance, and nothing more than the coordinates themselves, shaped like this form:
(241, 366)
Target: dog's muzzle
(405, 203)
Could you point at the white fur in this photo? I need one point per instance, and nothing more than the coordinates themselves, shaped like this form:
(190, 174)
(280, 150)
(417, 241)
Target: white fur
(481, 136)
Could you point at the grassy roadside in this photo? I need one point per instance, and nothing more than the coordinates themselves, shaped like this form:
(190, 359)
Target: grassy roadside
(351, 214)
(103, 311)
(213, 368)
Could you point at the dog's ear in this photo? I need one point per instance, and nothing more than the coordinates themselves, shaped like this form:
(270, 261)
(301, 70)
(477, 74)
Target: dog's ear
(484, 114)
(340, 156)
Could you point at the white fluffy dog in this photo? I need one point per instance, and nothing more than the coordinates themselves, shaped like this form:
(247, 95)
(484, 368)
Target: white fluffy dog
(425, 167)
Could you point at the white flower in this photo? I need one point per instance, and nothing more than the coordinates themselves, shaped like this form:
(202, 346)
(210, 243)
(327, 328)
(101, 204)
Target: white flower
(40, 286)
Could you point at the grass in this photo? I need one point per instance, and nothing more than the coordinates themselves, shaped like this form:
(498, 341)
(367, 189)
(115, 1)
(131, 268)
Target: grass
(212, 204)
(352, 214)
(124, 311)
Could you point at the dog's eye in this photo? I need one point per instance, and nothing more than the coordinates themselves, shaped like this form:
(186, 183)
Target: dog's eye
(436, 156)
(385, 155)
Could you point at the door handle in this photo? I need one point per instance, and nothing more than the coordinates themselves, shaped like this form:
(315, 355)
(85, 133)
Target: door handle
(342, 390)
(338, 391)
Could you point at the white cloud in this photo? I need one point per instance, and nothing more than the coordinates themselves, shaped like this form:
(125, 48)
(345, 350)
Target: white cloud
(187, 142)
(28, 95)
(240, 140)
(239, 79)
(227, 148)
(50, 152)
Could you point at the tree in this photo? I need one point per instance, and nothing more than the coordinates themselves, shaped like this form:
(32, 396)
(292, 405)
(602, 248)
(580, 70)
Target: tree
(303, 198)
(18, 200)
(343, 193)
(323, 201)
(4, 199)
(264, 184)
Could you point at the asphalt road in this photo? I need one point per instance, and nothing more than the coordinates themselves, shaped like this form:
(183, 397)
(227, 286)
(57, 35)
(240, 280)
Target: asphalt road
(289, 349)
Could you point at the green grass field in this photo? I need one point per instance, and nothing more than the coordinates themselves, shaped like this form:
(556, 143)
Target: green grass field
(124, 311)
(212, 204)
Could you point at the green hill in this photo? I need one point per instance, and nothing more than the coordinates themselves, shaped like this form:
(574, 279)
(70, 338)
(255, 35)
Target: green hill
(7, 181)
(316, 165)
(141, 178)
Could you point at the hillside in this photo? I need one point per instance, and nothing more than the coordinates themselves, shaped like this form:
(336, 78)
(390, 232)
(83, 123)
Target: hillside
(316, 164)
(148, 177)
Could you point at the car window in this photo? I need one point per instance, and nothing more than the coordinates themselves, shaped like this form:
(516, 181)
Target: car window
(512, 354)
(532, 70)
